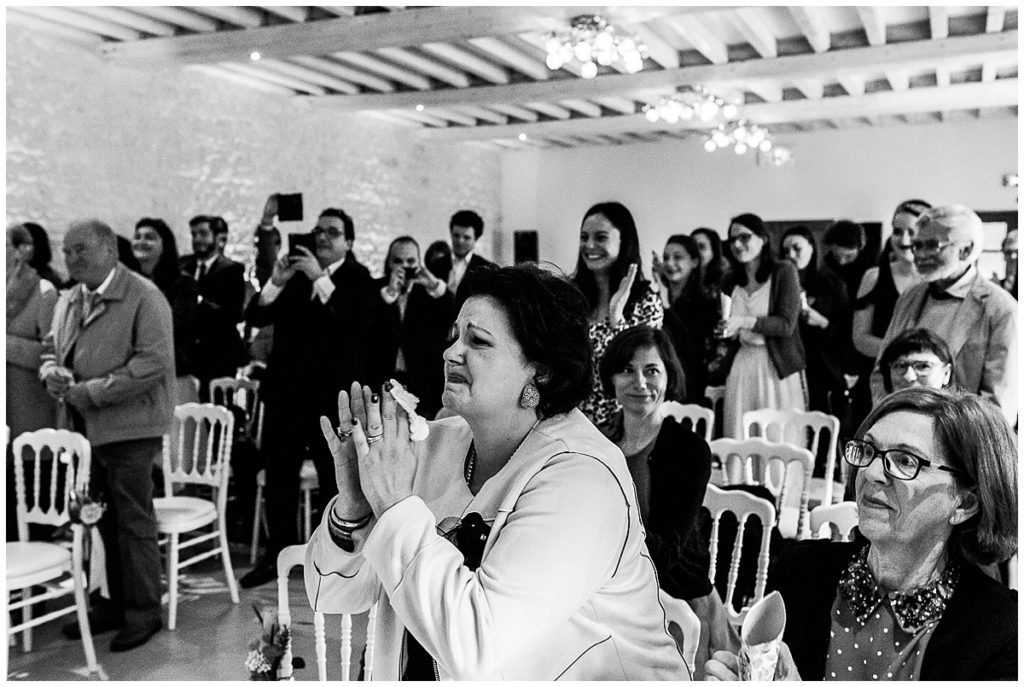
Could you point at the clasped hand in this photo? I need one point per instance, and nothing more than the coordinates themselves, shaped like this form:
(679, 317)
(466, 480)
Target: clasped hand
(374, 465)
(724, 666)
(286, 267)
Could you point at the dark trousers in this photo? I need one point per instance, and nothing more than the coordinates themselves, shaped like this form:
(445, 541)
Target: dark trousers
(122, 476)
(290, 435)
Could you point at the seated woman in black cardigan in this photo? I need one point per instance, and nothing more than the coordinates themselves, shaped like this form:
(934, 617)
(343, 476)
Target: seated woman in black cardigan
(907, 601)
(670, 466)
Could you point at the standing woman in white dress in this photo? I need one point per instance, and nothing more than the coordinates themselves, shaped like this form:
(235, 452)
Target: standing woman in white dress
(767, 371)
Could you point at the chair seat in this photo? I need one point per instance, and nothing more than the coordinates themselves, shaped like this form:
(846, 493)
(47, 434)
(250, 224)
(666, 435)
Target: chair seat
(183, 513)
(308, 478)
(789, 521)
(32, 562)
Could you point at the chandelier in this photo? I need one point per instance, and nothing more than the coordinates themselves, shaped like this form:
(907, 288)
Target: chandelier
(741, 136)
(692, 101)
(592, 41)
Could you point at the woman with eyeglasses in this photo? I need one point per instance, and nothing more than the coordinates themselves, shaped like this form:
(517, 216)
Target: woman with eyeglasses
(767, 370)
(917, 357)
(936, 488)
(507, 544)
(610, 275)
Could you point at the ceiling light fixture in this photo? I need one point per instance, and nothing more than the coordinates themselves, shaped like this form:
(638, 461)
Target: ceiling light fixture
(255, 55)
(592, 41)
(688, 103)
(741, 136)
(522, 137)
(419, 108)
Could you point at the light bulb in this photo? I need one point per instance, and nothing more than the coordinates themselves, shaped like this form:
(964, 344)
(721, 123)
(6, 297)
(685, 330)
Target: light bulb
(720, 138)
(419, 107)
(686, 112)
(604, 41)
(651, 114)
(522, 137)
(740, 134)
(709, 145)
(730, 111)
(707, 110)
(565, 53)
(740, 148)
(605, 57)
(255, 55)
(765, 146)
(588, 70)
(552, 44)
(627, 45)
(554, 61)
(582, 52)
(634, 62)
(670, 115)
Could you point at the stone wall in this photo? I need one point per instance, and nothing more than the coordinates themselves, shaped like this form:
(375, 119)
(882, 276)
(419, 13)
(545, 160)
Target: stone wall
(90, 138)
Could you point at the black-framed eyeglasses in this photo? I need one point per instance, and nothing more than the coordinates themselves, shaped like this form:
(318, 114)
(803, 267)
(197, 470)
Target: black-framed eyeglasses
(898, 463)
(920, 367)
(742, 238)
(929, 246)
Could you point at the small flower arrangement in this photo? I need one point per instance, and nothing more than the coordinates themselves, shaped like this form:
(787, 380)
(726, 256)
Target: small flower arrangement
(266, 651)
(82, 509)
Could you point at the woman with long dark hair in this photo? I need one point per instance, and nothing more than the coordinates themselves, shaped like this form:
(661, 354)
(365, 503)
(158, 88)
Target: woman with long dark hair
(156, 250)
(691, 314)
(609, 274)
(767, 369)
(824, 323)
(713, 264)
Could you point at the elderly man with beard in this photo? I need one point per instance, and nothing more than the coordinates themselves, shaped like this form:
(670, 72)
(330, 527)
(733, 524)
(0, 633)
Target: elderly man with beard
(977, 318)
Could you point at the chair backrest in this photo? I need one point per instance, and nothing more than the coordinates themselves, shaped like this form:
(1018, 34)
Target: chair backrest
(715, 395)
(750, 461)
(679, 612)
(243, 393)
(839, 518)
(290, 557)
(64, 457)
(202, 452)
(802, 428)
(743, 506)
(700, 419)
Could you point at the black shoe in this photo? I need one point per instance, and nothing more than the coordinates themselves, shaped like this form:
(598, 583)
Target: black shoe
(99, 622)
(135, 635)
(265, 571)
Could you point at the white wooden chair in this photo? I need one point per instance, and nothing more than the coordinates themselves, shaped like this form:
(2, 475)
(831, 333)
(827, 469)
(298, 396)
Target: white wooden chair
(679, 612)
(694, 415)
(839, 519)
(742, 505)
(1011, 572)
(32, 563)
(750, 461)
(290, 557)
(803, 428)
(207, 430)
(716, 396)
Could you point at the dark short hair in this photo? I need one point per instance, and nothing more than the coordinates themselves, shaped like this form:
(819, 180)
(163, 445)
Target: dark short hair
(624, 346)
(467, 218)
(548, 315)
(845, 234)
(201, 219)
(348, 227)
(765, 266)
(218, 225)
(976, 438)
(168, 267)
(912, 341)
(914, 206)
(391, 246)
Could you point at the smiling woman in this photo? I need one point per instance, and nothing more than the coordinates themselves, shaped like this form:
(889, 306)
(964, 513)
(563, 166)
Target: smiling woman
(936, 488)
(508, 543)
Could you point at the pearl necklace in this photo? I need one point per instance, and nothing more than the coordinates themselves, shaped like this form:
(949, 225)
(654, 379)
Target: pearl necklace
(467, 472)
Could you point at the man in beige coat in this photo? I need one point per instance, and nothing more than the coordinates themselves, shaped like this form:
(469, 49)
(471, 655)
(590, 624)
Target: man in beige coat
(109, 361)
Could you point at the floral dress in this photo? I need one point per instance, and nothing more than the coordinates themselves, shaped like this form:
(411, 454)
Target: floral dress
(599, 406)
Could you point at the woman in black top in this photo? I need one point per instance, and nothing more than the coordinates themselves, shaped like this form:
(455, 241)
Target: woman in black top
(670, 466)
(157, 253)
(691, 314)
(713, 264)
(824, 322)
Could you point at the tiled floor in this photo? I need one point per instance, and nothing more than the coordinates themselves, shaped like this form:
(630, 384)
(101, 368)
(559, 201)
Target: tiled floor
(210, 642)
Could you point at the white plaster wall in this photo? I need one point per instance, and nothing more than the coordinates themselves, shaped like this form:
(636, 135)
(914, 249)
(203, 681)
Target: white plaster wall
(673, 187)
(88, 138)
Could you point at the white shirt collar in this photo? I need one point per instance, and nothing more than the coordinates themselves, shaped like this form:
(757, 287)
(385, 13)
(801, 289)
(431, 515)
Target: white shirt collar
(335, 265)
(101, 289)
(465, 260)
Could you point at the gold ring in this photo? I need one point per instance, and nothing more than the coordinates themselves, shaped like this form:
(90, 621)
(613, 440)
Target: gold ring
(374, 438)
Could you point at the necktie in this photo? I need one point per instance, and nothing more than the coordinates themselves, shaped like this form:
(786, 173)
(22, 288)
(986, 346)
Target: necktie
(202, 272)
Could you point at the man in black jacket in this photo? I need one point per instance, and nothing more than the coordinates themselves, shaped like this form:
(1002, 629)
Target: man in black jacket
(218, 348)
(465, 228)
(320, 308)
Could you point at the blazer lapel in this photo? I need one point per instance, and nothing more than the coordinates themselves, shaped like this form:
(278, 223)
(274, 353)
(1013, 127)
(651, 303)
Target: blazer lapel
(966, 316)
(70, 328)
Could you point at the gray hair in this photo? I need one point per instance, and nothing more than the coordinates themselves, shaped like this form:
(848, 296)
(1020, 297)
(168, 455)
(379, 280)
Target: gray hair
(960, 219)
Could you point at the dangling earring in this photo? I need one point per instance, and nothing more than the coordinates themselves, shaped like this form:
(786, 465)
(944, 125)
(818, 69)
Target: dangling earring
(530, 397)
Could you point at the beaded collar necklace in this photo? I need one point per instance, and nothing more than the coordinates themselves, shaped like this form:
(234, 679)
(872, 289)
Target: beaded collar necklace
(470, 463)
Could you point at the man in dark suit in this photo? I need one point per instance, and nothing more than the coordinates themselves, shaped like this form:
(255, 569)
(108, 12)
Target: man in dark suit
(412, 314)
(465, 228)
(218, 348)
(320, 308)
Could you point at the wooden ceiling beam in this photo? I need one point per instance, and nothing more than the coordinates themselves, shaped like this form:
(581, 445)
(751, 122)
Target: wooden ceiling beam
(585, 108)
(938, 21)
(452, 77)
(483, 113)
(468, 61)
(311, 75)
(366, 32)
(621, 105)
(293, 13)
(403, 76)
(77, 20)
(273, 77)
(853, 84)
(812, 24)
(248, 81)
(345, 73)
(874, 23)
(241, 16)
(67, 33)
(514, 58)
(700, 37)
(130, 19)
(750, 22)
(1001, 93)
(179, 17)
(550, 109)
(658, 49)
(749, 74)
(516, 111)
(995, 19)
(813, 89)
